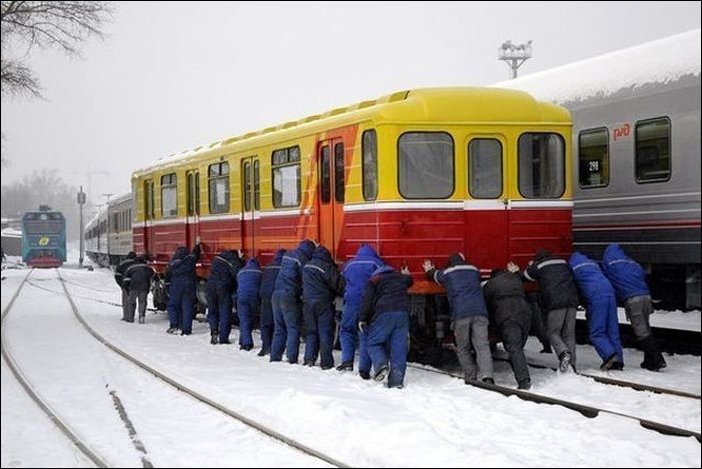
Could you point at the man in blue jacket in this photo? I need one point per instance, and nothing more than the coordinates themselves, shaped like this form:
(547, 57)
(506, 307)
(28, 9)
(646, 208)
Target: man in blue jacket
(629, 281)
(469, 315)
(268, 278)
(321, 283)
(601, 307)
(356, 272)
(385, 316)
(287, 307)
(247, 301)
(180, 273)
(220, 285)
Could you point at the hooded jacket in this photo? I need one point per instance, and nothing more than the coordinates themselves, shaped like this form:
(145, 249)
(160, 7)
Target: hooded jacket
(321, 281)
(358, 271)
(138, 276)
(181, 268)
(592, 283)
(555, 278)
(462, 283)
(627, 276)
(123, 266)
(289, 279)
(249, 281)
(386, 291)
(270, 274)
(225, 266)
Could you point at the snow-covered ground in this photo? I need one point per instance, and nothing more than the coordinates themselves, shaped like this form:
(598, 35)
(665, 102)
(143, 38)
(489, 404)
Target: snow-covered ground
(434, 421)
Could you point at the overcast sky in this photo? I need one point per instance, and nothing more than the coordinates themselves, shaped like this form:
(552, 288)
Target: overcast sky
(171, 76)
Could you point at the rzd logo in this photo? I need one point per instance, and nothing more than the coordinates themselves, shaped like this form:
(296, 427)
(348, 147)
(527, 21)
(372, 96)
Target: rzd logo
(44, 241)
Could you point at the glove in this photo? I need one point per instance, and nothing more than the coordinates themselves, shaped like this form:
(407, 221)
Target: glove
(427, 265)
(512, 267)
(362, 326)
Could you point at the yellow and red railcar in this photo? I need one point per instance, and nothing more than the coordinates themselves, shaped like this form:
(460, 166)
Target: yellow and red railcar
(416, 174)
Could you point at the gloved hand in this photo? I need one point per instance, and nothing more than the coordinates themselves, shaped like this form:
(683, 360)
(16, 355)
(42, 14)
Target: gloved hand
(427, 265)
(362, 326)
(512, 267)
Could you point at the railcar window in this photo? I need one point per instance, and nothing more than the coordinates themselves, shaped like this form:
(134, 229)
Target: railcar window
(593, 161)
(169, 205)
(339, 172)
(653, 150)
(485, 157)
(370, 165)
(324, 176)
(425, 165)
(149, 199)
(541, 165)
(218, 185)
(247, 186)
(257, 186)
(286, 177)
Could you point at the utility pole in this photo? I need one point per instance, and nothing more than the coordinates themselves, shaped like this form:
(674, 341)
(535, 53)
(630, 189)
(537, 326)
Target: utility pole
(81, 202)
(108, 195)
(514, 54)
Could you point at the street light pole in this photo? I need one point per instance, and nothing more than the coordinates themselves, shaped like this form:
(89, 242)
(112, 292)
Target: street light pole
(81, 249)
(108, 195)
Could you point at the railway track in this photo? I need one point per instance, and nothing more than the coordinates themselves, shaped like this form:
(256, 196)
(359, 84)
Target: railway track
(586, 410)
(62, 426)
(179, 385)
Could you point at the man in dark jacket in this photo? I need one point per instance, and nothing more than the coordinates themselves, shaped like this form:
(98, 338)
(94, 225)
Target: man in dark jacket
(356, 272)
(287, 307)
(247, 301)
(321, 283)
(601, 306)
(469, 316)
(559, 297)
(119, 277)
(268, 278)
(221, 283)
(180, 273)
(137, 280)
(511, 314)
(629, 281)
(385, 315)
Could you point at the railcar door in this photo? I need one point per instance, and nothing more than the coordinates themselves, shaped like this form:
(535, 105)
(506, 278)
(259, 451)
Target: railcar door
(486, 215)
(192, 217)
(331, 192)
(250, 204)
(148, 217)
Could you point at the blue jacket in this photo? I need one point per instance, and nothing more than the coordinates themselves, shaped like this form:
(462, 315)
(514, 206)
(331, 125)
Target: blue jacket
(225, 266)
(462, 283)
(555, 279)
(181, 268)
(386, 291)
(321, 281)
(249, 280)
(592, 283)
(358, 271)
(270, 274)
(290, 277)
(627, 276)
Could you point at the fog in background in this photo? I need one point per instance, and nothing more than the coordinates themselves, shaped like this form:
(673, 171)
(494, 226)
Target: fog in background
(170, 76)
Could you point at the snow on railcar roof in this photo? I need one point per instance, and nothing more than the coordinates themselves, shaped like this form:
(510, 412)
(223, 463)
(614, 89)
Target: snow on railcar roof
(657, 62)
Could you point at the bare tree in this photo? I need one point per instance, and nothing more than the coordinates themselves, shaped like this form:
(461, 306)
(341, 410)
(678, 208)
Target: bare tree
(52, 24)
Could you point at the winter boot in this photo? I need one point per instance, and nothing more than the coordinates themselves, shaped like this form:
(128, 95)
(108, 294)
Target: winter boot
(653, 359)
(563, 361)
(214, 338)
(381, 374)
(345, 366)
(524, 384)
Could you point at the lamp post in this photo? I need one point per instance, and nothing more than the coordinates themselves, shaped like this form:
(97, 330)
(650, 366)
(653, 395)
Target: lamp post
(108, 195)
(81, 249)
(514, 54)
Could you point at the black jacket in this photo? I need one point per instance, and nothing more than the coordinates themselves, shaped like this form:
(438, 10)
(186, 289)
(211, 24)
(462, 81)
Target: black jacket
(504, 294)
(138, 277)
(555, 278)
(386, 291)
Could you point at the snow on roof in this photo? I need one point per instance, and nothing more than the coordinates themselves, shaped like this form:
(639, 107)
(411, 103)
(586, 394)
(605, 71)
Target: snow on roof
(662, 61)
